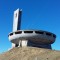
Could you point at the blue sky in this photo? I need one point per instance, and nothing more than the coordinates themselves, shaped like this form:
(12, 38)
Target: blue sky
(37, 14)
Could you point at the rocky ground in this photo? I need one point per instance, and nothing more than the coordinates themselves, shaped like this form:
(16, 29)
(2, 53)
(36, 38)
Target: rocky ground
(30, 53)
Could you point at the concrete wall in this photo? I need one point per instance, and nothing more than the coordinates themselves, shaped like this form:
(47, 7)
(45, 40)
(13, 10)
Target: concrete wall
(25, 43)
(32, 44)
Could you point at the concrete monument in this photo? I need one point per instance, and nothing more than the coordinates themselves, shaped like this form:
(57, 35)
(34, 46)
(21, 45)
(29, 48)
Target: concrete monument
(33, 38)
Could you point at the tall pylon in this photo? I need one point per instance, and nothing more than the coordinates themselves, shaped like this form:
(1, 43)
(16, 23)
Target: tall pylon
(17, 20)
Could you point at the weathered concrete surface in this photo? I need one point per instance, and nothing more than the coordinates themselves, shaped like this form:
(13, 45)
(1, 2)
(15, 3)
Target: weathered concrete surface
(30, 53)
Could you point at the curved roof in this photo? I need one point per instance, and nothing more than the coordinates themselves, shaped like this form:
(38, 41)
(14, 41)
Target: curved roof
(33, 35)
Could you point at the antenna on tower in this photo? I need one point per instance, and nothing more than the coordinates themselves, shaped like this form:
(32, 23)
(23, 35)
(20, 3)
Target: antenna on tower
(17, 20)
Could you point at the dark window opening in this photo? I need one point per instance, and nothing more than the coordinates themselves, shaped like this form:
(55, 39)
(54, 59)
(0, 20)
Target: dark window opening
(16, 45)
(49, 34)
(18, 32)
(28, 31)
(11, 34)
(39, 32)
(54, 36)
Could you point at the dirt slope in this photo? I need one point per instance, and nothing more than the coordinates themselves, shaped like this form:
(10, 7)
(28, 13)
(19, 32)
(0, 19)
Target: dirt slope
(30, 53)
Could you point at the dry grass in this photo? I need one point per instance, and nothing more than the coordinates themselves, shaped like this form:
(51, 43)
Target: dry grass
(30, 53)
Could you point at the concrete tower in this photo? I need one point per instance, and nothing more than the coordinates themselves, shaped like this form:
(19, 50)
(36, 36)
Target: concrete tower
(35, 38)
(16, 22)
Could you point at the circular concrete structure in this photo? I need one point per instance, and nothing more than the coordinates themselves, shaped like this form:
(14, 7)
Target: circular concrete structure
(34, 38)
(38, 36)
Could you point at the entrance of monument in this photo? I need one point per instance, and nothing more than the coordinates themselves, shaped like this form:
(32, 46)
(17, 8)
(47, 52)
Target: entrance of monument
(22, 43)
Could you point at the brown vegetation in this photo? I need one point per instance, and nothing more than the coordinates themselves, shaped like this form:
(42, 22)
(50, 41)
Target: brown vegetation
(30, 53)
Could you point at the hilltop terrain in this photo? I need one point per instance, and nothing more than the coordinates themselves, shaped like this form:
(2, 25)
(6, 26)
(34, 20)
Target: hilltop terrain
(30, 53)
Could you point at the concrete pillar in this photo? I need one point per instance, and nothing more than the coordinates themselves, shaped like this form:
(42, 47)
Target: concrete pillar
(24, 43)
(20, 43)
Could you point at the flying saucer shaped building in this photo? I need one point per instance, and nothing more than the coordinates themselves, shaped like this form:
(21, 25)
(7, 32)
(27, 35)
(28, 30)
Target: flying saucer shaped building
(33, 38)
